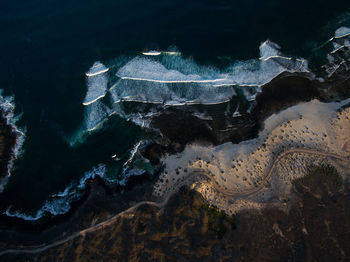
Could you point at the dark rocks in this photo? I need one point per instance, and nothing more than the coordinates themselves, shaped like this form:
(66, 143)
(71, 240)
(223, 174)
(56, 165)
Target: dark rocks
(7, 142)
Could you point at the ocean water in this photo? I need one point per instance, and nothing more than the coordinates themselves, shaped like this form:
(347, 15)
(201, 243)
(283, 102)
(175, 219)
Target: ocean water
(70, 67)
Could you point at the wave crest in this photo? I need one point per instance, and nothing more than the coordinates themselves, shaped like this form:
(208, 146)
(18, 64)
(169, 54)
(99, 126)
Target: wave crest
(97, 80)
(172, 80)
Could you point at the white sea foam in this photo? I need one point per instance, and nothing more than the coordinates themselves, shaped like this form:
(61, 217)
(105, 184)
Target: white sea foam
(172, 80)
(95, 114)
(152, 53)
(140, 120)
(338, 58)
(133, 153)
(60, 203)
(157, 53)
(177, 69)
(172, 53)
(128, 169)
(269, 49)
(342, 32)
(18, 214)
(97, 80)
(146, 69)
(7, 107)
(96, 69)
(171, 94)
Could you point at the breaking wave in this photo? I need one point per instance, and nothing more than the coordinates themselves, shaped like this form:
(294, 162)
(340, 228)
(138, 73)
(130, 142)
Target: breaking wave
(162, 78)
(60, 203)
(97, 80)
(176, 69)
(7, 108)
(165, 79)
(338, 58)
(342, 32)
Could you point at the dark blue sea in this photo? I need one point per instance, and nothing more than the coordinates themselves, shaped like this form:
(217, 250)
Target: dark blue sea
(54, 57)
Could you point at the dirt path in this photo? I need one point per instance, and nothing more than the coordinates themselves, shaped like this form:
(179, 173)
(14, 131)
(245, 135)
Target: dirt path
(43, 247)
(267, 177)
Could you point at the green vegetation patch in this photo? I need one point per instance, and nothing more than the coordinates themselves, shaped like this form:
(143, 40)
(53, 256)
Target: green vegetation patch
(219, 221)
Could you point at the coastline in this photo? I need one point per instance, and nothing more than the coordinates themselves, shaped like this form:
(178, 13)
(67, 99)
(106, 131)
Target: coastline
(7, 143)
(11, 225)
(213, 228)
(282, 92)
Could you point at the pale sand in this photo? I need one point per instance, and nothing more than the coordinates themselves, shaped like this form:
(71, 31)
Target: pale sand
(239, 170)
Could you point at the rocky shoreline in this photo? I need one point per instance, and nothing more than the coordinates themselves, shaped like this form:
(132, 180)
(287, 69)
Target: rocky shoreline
(286, 86)
(7, 142)
(187, 229)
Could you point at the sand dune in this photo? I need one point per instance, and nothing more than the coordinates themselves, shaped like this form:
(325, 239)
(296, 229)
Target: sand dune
(319, 133)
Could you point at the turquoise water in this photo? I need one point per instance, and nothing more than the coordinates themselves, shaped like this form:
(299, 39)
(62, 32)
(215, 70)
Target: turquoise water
(48, 47)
